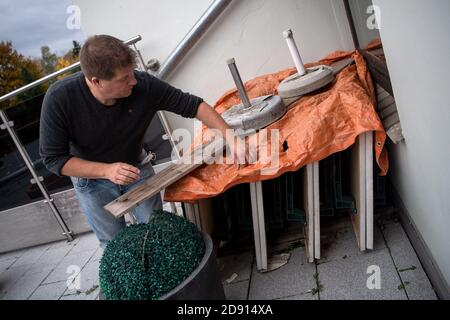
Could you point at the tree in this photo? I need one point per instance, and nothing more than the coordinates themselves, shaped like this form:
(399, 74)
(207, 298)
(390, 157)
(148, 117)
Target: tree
(48, 60)
(76, 48)
(71, 57)
(17, 71)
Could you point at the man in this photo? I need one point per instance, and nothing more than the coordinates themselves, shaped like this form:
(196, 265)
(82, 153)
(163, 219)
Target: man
(93, 124)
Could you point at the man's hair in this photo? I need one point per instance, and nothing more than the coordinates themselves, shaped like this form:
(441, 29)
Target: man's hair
(102, 55)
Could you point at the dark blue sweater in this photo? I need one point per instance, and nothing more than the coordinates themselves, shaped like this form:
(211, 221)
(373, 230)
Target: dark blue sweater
(75, 124)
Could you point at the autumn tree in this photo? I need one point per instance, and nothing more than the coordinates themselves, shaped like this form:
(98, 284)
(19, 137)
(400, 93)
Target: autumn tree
(71, 57)
(15, 72)
(49, 60)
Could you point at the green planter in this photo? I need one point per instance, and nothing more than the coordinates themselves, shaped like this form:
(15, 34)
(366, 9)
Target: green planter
(166, 259)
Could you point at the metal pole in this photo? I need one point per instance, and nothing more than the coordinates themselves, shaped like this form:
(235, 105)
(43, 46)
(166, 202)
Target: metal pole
(36, 178)
(289, 36)
(141, 60)
(351, 23)
(178, 54)
(239, 84)
(192, 37)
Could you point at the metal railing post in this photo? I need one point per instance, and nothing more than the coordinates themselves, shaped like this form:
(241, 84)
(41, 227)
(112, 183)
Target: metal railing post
(7, 125)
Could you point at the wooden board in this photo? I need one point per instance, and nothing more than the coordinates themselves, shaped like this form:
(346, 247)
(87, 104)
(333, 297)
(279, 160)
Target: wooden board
(316, 211)
(312, 209)
(359, 191)
(369, 189)
(362, 185)
(206, 215)
(259, 227)
(387, 109)
(174, 172)
(341, 65)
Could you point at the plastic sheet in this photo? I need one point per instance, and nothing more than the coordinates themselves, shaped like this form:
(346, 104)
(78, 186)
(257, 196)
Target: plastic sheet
(315, 127)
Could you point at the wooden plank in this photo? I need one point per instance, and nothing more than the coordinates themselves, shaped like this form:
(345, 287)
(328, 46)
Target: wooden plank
(311, 203)
(381, 93)
(207, 217)
(341, 65)
(316, 211)
(190, 212)
(174, 172)
(261, 263)
(308, 201)
(262, 225)
(359, 191)
(369, 190)
(391, 120)
(395, 133)
(379, 70)
(390, 110)
(385, 103)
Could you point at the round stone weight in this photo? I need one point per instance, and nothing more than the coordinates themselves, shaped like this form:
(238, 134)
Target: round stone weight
(262, 112)
(314, 79)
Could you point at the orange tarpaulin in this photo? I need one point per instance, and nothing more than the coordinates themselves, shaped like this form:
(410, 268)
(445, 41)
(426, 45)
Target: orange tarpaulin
(315, 127)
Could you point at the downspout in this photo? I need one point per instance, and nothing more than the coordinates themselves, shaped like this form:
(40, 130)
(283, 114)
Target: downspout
(189, 41)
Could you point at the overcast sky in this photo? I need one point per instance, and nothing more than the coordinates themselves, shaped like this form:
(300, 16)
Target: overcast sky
(32, 24)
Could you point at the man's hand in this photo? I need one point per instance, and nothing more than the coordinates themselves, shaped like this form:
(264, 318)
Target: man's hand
(243, 149)
(121, 173)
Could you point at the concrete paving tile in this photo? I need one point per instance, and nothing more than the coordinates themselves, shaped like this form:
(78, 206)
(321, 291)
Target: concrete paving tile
(239, 264)
(82, 296)
(307, 296)
(27, 284)
(10, 277)
(237, 291)
(52, 291)
(64, 243)
(53, 256)
(297, 277)
(378, 239)
(5, 264)
(12, 255)
(394, 233)
(98, 254)
(31, 255)
(86, 242)
(75, 260)
(88, 278)
(342, 244)
(347, 279)
(417, 284)
(338, 245)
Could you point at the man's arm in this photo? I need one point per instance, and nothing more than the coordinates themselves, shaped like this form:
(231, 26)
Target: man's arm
(243, 154)
(118, 173)
(209, 116)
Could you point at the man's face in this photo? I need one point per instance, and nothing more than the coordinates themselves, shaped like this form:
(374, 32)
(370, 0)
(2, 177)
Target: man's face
(120, 86)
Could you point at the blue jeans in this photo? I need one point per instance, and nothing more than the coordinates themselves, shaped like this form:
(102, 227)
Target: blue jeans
(94, 194)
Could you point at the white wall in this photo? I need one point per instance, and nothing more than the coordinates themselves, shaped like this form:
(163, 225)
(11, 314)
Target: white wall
(416, 38)
(249, 30)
